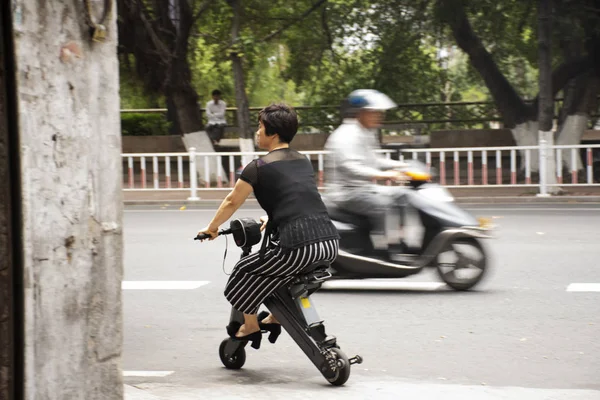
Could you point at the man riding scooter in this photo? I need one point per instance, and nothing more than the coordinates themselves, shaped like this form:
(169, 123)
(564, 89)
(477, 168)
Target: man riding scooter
(354, 165)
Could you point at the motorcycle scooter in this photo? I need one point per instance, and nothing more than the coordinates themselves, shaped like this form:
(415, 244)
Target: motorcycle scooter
(450, 242)
(294, 309)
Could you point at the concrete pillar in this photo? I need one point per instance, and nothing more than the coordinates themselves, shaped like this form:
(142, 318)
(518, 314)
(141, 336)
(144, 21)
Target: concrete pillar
(68, 116)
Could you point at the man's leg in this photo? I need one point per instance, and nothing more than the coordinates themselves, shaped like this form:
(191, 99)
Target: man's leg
(220, 130)
(210, 130)
(368, 201)
(395, 215)
(389, 215)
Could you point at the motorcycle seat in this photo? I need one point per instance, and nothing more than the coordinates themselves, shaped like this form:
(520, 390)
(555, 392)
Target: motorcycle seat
(348, 217)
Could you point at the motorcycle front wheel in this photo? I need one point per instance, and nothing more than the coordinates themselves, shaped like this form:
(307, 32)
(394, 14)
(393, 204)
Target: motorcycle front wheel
(462, 264)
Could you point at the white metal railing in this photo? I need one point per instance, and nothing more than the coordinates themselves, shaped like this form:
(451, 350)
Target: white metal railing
(455, 167)
(470, 155)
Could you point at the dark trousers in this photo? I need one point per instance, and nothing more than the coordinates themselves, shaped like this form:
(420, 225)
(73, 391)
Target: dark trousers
(254, 279)
(215, 132)
(376, 202)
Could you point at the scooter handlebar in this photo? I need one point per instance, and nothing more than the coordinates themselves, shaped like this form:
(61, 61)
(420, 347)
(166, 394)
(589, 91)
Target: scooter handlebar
(202, 236)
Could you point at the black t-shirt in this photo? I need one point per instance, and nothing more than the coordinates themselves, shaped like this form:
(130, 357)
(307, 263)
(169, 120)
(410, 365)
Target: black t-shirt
(285, 187)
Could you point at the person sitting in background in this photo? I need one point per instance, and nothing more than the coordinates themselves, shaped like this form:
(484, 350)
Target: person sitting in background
(215, 111)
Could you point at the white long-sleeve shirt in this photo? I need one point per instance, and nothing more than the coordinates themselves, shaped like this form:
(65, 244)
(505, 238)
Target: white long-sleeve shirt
(216, 112)
(353, 162)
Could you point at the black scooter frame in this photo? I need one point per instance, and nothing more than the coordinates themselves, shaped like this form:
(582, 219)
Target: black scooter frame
(295, 310)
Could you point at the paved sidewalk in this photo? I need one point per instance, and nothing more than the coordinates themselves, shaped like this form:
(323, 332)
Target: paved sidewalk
(354, 390)
(462, 195)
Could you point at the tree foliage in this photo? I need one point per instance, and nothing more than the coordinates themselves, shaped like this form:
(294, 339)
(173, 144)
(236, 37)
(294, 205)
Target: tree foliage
(315, 52)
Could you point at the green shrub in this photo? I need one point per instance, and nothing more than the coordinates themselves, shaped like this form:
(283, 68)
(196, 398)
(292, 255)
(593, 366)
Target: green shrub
(144, 124)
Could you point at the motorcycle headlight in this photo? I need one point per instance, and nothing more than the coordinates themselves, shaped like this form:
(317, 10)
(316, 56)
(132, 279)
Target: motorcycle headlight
(485, 223)
(418, 176)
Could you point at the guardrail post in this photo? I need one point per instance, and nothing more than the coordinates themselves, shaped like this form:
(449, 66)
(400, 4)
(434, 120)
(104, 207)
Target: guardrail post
(193, 176)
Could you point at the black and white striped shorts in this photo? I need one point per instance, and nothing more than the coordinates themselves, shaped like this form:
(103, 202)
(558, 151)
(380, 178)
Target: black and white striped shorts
(253, 279)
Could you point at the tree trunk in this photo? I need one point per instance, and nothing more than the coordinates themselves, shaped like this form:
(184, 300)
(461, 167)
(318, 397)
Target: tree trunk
(179, 76)
(526, 134)
(511, 106)
(185, 100)
(545, 98)
(185, 97)
(188, 113)
(243, 112)
(516, 114)
(160, 46)
(241, 99)
(580, 99)
(174, 128)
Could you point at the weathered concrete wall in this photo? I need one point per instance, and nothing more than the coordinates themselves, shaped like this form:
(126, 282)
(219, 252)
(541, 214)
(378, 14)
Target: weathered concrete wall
(72, 201)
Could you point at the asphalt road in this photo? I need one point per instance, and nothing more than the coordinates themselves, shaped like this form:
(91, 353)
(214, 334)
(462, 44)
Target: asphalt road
(519, 335)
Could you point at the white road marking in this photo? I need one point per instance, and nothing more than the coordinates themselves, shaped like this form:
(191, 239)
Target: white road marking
(508, 209)
(366, 284)
(583, 287)
(158, 374)
(162, 285)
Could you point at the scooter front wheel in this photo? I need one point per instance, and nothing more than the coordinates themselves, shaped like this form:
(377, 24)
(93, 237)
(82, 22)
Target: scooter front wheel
(343, 368)
(462, 264)
(232, 361)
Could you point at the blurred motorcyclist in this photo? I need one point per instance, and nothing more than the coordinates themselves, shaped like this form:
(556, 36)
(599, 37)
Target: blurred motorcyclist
(354, 165)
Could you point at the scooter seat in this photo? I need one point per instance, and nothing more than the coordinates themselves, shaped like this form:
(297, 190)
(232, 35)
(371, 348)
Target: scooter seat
(316, 266)
(310, 279)
(313, 273)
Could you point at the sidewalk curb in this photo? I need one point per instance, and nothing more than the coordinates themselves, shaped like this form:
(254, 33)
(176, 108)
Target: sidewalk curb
(459, 200)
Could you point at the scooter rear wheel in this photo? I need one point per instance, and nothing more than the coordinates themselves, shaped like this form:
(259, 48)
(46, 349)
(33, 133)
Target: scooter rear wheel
(343, 370)
(235, 360)
(449, 272)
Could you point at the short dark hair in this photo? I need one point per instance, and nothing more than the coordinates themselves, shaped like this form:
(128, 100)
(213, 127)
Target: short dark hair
(216, 92)
(279, 119)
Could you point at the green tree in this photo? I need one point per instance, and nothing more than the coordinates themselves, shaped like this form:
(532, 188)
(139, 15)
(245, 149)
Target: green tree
(157, 33)
(513, 30)
(385, 45)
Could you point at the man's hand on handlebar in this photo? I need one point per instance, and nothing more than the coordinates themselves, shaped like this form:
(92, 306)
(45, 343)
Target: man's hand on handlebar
(208, 231)
(393, 175)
